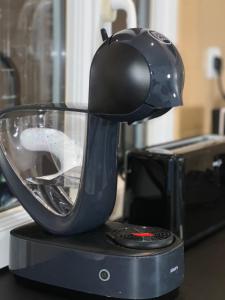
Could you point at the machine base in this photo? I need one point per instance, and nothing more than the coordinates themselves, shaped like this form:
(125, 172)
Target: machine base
(92, 263)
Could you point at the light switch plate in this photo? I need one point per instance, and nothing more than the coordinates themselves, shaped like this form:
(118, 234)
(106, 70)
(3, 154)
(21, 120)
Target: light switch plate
(211, 53)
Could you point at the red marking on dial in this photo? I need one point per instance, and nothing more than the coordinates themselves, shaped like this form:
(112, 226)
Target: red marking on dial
(142, 234)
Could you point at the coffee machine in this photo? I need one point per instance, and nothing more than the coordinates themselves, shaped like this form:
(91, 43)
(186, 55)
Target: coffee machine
(61, 162)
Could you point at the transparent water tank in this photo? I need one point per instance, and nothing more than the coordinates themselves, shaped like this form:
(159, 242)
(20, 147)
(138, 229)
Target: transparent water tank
(46, 151)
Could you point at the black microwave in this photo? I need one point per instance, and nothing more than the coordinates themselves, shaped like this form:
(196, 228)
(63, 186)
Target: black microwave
(179, 186)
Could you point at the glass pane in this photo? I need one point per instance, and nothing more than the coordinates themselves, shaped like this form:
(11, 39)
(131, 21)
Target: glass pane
(46, 149)
(32, 51)
(7, 199)
(32, 59)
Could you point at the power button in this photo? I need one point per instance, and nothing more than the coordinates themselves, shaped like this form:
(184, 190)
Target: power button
(104, 275)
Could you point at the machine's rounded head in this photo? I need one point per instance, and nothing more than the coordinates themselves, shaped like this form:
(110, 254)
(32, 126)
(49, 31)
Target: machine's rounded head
(135, 74)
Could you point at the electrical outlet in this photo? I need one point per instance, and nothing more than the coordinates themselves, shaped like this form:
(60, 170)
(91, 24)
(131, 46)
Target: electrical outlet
(211, 53)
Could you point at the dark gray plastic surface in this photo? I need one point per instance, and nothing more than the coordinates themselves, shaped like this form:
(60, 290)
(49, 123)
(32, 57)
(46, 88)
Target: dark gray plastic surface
(93, 264)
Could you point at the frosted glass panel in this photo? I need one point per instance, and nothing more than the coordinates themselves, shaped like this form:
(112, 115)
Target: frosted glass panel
(32, 51)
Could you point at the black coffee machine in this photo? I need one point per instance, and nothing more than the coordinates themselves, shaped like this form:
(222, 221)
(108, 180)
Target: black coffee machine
(61, 162)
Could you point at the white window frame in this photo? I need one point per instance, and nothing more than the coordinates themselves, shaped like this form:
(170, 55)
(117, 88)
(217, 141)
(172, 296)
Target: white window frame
(163, 18)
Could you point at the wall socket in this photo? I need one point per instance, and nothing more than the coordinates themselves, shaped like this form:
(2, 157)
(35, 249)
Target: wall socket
(211, 53)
